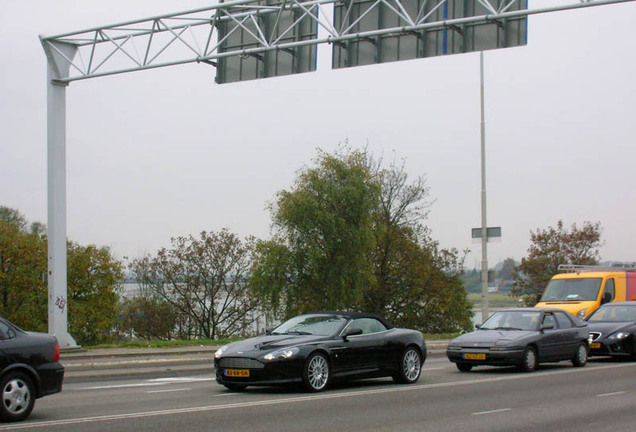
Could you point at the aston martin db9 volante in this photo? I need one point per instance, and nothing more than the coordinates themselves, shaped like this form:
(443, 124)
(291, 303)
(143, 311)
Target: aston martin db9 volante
(522, 337)
(29, 369)
(316, 349)
(612, 329)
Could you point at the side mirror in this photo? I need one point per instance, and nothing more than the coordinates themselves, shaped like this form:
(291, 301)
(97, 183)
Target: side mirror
(607, 297)
(353, 331)
(477, 326)
(269, 330)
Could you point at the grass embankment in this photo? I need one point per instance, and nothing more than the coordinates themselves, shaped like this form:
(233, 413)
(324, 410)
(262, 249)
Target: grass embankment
(497, 300)
(164, 343)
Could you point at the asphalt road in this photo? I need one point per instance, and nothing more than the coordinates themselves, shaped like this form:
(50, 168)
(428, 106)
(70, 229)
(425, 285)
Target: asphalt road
(601, 396)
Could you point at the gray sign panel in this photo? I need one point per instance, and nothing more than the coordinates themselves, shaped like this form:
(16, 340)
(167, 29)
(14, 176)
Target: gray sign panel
(491, 232)
(368, 15)
(254, 30)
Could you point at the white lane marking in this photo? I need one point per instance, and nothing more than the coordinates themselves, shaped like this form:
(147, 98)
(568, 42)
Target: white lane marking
(322, 396)
(611, 394)
(430, 369)
(149, 383)
(180, 379)
(117, 386)
(492, 411)
(168, 391)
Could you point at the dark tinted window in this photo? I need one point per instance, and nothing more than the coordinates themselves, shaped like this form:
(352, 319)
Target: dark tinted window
(368, 325)
(563, 320)
(6, 332)
(548, 320)
(609, 287)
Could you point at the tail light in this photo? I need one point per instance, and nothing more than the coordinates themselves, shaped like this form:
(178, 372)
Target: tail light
(56, 353)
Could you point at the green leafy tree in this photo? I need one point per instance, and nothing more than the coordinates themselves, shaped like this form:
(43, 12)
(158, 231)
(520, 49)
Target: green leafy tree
(23, 290)
(94, 278)
(349, 236)
(549, 248)
(320, 258)
(205, 280)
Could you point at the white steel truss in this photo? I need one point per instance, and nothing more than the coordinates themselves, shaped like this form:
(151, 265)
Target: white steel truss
(192, 36)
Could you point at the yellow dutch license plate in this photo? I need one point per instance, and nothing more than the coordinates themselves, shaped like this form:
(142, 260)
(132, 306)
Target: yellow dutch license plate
(238, 373)
(469, 356)
(595, 345)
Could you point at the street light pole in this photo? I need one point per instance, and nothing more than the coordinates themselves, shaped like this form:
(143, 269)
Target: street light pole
(484, 224)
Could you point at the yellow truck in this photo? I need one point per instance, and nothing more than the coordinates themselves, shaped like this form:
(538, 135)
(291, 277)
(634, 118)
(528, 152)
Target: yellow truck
(581, 290)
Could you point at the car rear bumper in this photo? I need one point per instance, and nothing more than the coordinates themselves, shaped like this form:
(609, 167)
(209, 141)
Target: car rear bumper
(51, 378)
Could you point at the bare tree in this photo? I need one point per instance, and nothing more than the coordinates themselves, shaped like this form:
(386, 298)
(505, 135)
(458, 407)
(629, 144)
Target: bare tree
(206, 280)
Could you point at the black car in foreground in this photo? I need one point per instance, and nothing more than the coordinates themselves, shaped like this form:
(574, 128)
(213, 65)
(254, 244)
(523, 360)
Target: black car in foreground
(522, 337)
(29, 369)
(316, 349)
(612, 329)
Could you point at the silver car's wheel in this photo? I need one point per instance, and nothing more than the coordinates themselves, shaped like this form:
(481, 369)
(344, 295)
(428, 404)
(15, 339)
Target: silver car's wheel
(580, 359)
(316, 372)
(529, 361)
(18, 397)
(410, 367)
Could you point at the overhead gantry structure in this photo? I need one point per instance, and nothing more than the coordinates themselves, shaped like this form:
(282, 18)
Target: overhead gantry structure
(253, 39)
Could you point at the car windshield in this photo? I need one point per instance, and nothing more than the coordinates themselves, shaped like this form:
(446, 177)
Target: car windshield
(579, 289)
(512, 320)
(614, 314)
(322, 325)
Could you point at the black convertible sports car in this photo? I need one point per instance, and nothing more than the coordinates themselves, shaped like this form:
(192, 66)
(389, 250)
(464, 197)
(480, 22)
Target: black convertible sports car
(522, 337)
(612, 330)
(315, 349)
(29, 369)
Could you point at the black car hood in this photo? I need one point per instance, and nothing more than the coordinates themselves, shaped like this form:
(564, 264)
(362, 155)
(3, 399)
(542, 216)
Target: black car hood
(482, 338)
(607, 328)
(270, 342)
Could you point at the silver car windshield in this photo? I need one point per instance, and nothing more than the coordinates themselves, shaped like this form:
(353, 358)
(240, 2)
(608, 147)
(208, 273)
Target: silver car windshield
(513, 320)
(322, 325)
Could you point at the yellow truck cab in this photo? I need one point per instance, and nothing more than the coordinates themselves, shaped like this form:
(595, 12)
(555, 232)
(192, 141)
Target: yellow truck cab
(583, 289)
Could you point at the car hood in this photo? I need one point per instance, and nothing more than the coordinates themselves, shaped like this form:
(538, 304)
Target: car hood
(608, 328)
(263, 344)
(485, 338)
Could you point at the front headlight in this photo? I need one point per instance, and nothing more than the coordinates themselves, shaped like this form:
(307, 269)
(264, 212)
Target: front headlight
(453, 347)
(282, 354)
(581, 314)
(619, 335)
(220, 352)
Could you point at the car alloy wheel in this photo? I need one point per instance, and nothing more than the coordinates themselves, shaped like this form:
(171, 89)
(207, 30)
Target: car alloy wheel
(18, 397)
(316, 373)
(580, 359)
(410, 367)
(529, 360)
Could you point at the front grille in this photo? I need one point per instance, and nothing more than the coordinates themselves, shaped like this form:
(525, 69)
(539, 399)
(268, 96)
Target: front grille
(595, 336)
(240, 363)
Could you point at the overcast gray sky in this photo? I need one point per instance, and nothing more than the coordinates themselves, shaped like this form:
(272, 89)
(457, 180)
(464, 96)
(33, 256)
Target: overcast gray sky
(163, 153)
